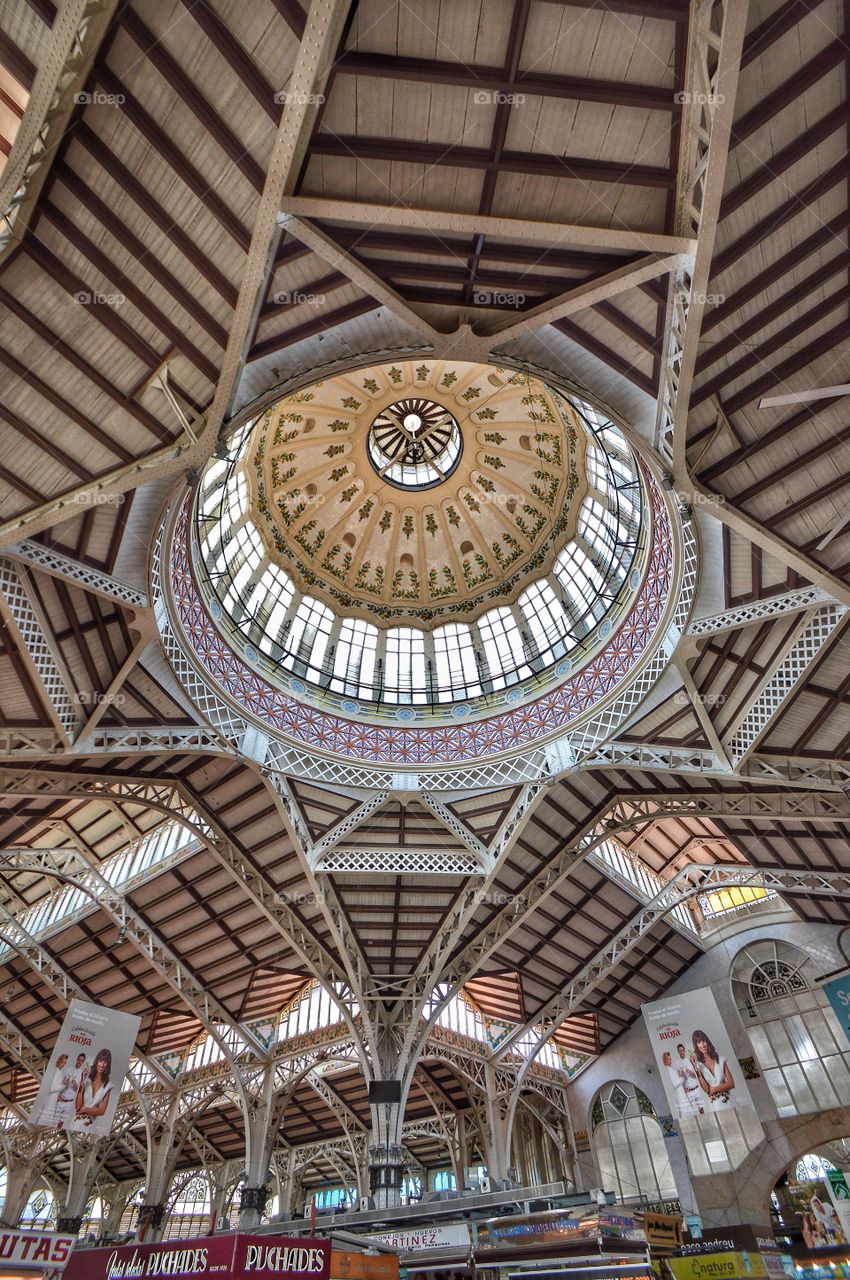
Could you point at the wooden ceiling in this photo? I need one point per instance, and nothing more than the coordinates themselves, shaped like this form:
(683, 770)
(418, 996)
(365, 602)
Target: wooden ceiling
(139, 253)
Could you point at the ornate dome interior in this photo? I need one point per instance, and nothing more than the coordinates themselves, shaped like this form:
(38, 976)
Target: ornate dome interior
(424, 581)
(434, 586)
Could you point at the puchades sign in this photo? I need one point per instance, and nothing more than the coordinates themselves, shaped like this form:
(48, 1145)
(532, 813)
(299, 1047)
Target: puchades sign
(694, 1056)
(81, 1086)
(225, 1257)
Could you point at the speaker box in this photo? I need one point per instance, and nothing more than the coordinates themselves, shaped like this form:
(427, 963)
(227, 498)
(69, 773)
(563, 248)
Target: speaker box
(384, 1091)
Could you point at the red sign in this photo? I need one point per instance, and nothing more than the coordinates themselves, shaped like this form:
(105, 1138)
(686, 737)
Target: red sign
(35, 1250)
(224, 1257)
(276, 1256)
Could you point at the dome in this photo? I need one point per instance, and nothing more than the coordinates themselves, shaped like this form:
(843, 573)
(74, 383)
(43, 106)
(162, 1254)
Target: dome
(425, 542)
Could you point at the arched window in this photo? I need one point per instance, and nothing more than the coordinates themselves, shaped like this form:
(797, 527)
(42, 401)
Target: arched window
(40, 1209)
(629, 1145)
(797, 1039)
(93, 1218)
(189, 1209)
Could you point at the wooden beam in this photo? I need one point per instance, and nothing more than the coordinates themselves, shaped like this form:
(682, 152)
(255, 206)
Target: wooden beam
(526, 231)
(359, 147)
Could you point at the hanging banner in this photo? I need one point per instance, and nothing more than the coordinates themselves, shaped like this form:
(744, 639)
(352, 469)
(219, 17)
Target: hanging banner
(694, 1055)
(225, 1257)
(839, 1192)
(82, 1083)
(837, 993)
(34, 1251)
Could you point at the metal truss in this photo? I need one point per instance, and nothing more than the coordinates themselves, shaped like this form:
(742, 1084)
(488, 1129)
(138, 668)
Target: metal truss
(316, 851)
(826, 774)
(686, 884)
(354, 212)
(758, 611)
(79, 575)
(401, 862)
(171, 799)
(460, 830)
(72, 867)
(74, 40)
(361, 276)
(779, 683)
(449, 963)
(23, 612)
(715, 41)
(55, 977)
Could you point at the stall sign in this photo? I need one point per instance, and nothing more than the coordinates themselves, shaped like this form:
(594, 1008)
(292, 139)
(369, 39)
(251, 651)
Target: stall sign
(662, 1230)
(35, 1250)
(223, 1257)
(348, 1264)
(411, 1240)
(719, 1266)
(557, 1228)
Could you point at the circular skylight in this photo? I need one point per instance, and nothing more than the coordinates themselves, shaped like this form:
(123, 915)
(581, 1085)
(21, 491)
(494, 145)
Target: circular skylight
(414, 444)
(517, 544)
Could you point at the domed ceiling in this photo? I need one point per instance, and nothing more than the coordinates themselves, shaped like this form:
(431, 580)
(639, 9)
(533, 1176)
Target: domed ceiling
(423, 561)
(417, 489)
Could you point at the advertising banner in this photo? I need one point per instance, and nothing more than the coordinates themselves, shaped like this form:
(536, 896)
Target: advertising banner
(82, 1083)
(35, 1251)
(694, 1055)
(838, 994)
(840, 1194)
(811, 1203)
(554, 1228)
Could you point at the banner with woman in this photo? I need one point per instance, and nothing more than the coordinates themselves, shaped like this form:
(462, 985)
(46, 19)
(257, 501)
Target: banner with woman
(80, 1088)
(694, 1055)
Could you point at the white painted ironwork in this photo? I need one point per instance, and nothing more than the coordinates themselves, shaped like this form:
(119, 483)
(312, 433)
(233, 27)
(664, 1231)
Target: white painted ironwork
(686, 884)
(71, 866)
(715, 41)
(74, 40)
(758, 611)
(772, 693)
(23, 612)
(400, 861)
(81, 575)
